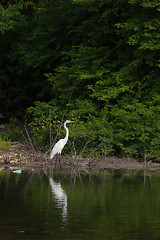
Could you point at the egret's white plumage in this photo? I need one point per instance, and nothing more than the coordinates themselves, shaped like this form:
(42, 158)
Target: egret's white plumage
(57, 149)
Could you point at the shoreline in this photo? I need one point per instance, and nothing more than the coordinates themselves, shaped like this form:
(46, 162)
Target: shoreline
(19, 156)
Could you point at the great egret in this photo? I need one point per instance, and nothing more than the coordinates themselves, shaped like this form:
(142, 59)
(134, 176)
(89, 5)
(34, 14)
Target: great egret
(57, 149)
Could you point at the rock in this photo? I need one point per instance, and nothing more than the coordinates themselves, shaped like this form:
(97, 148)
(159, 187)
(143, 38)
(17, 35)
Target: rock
(2, 126)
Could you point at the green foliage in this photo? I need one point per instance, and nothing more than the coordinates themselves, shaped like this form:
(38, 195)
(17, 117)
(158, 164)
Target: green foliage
(4, 145)
(9, 17)
(96, 61)
(44, 117)
(12, 130)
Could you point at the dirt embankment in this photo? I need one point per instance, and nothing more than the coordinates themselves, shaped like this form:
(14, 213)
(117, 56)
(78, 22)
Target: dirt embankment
(20, 156)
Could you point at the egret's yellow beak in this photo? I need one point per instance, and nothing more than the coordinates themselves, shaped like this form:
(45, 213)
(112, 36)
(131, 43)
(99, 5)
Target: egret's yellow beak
(71, 121)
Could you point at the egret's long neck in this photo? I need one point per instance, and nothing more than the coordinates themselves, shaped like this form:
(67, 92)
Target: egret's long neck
(67, 133)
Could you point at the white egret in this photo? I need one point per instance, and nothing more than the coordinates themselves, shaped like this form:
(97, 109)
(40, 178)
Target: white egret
(57, 149)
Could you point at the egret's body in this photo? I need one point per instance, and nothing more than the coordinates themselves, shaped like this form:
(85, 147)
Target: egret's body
(58, 147)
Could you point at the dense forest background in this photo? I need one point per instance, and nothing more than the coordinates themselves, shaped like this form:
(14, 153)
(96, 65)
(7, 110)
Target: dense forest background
(93, 61)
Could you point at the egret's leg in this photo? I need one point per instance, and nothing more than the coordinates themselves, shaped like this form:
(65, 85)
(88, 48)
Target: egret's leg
(60, 160)
(56, 161)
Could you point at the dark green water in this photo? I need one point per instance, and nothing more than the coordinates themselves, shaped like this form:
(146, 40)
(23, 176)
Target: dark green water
(72, 205)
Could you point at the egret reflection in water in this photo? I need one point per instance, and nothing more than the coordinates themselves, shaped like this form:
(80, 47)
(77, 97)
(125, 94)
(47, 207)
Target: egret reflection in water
(60, 197)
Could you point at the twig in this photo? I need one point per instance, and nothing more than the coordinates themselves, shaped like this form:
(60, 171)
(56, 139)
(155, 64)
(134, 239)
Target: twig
(73, 148)
(85, 145)
(50, 128)
(95, 149)
(29, 139)
(26, 140)
(145, 160)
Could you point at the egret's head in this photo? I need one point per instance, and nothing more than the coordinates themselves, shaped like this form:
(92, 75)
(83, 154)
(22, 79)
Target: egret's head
(68, 121)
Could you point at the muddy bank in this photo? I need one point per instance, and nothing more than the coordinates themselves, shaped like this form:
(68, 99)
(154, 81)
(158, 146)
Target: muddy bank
(19, 156)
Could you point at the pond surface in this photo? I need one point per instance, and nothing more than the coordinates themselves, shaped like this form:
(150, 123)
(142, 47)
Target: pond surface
(56, 204)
